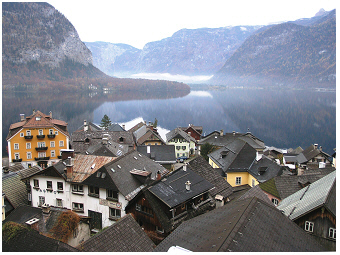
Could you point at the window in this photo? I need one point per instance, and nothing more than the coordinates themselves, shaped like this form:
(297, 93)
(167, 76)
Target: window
(41, 132)
(178, 147)
(61, 143)
(114, 213)
(36, 183)
(332, 233)
(16, 155)
(111, 194)
(309, 226)
(28, 132)
(93, 191)
(75, 232)
(59, 202)
(49, 185)
(60, 186)
(37, 118)
(16, 146)
(56, 132)
(41, 200)
(52, 154)
(184, 147)
(28, 145)
(21, 134)
(138, 207)
(41, 154)
(51, 131)
(78, 207)
(77, 188)
(41, 144)
(183, 206)
(238, 181)
(275, 201)
(52, 144)
(29, 155)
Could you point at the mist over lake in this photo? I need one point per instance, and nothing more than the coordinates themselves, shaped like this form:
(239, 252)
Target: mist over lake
(284, 119)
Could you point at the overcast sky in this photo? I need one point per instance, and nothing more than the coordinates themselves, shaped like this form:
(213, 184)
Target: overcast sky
(137, 22)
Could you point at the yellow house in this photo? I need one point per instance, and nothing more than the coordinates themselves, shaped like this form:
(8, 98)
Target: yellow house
(37, 139)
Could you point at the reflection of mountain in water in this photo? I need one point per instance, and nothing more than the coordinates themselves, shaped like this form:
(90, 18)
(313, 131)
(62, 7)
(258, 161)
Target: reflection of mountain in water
(280, 118)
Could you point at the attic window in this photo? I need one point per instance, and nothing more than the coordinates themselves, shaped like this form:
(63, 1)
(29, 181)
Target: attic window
(103, 175)
(37, 118)
(262, 170)
(98, 174)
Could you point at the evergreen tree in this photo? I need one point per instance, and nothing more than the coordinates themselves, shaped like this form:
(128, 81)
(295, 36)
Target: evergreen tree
(105, 122)
(206, 149)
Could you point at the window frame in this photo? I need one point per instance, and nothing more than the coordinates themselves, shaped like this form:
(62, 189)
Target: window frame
(238, 180)
(16, 146)
(58, 186)
(35, 181)
(22, 134)
(309, 226)
(28, 133)
(53, 154)
(77, 207)
(28, 146)
(333, 234)
(49, 185)
(76, 189)
(275, 201)
(113, 198)
(115, 216)
(59, 202)
(52, 144)
(41, 201)
(29, 155)
(40, 132)
(61, 143)
(93, 191)
(17, 155)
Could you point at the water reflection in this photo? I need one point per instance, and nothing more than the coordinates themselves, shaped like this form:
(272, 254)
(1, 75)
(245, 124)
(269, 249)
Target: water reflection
(280, 118)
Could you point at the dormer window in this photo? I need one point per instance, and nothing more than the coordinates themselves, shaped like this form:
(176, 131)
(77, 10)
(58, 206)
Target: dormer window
(37, 118)
(121, 139)
(87, 140)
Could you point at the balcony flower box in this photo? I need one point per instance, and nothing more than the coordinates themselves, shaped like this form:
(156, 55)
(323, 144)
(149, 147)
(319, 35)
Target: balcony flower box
(41, 148)
(40, 136)
(17, 160)
(28, 137)
(51, 136)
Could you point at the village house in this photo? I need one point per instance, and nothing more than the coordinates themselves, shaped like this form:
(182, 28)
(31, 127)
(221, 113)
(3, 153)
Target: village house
(185, 145)
(85, 138)
(161, 206)
(148, 135)
(45, 219)
(245, 225)
(312, 158)
(162, 154)
(37, 139)
(193, 131)
(280, 187)
(124, 236)
(313, 209)
(220, 139)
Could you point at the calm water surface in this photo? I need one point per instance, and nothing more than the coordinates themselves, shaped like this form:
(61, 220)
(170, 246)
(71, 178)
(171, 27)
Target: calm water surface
(285, 119)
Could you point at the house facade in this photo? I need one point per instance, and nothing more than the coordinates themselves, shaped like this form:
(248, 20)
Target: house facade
(185, 145)
(37, 139)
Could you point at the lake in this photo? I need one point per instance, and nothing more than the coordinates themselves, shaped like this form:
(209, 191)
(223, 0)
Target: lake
(281, 118)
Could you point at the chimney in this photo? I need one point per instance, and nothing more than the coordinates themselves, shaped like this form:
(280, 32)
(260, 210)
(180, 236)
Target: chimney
(22, 117)
(189, 133)
(159, 176)
(66, 153)
(69, 168)
(33, 223)
(187, 185)
(51, 114)
(104, 140)
(33, 111)
(148, 149)
(221, 132)
(315, 146)
(86, 127)
(320, 148)
(123, 126)
(46, 209)
(185, 167)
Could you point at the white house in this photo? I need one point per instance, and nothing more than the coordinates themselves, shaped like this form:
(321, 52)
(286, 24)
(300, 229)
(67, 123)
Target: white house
(184, 143)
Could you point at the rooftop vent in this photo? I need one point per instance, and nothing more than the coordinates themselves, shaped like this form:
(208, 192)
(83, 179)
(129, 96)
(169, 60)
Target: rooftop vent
(187, 185)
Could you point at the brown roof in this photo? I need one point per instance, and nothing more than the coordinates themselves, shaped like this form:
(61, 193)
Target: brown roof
(85, 165)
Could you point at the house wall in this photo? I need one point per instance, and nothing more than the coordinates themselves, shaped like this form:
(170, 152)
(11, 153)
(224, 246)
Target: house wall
(98, 204)
(179, 152)
(270, 196)
(213, 164)
(246, 178)
(323, 220)
(82, 233)
(20, 139)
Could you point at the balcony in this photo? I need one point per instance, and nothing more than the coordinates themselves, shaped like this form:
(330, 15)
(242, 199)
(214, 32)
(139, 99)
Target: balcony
(40, 136)
(17, 160)
(41, 148)
(28, 137)
(42, 159)
(51, 136)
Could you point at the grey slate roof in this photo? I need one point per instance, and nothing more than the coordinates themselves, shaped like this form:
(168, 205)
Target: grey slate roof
(265, 169)
(247, 225)
(14, 189)
(124, 236)
(215, 138)
(256, 191)
(28, 172)
(119, 171)
(91, 127)
(311, 197)
(171, 190)
(179, 132)
(110, 149)
(95, 137)
(309, 153)
(115, 127)
(221, 187)
(237, 156)
(163, 154)
(285, 185)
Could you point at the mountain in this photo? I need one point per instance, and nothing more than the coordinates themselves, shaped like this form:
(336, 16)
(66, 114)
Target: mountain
(39, 43)
(200, 51)
(285, 54)
(114, 59)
